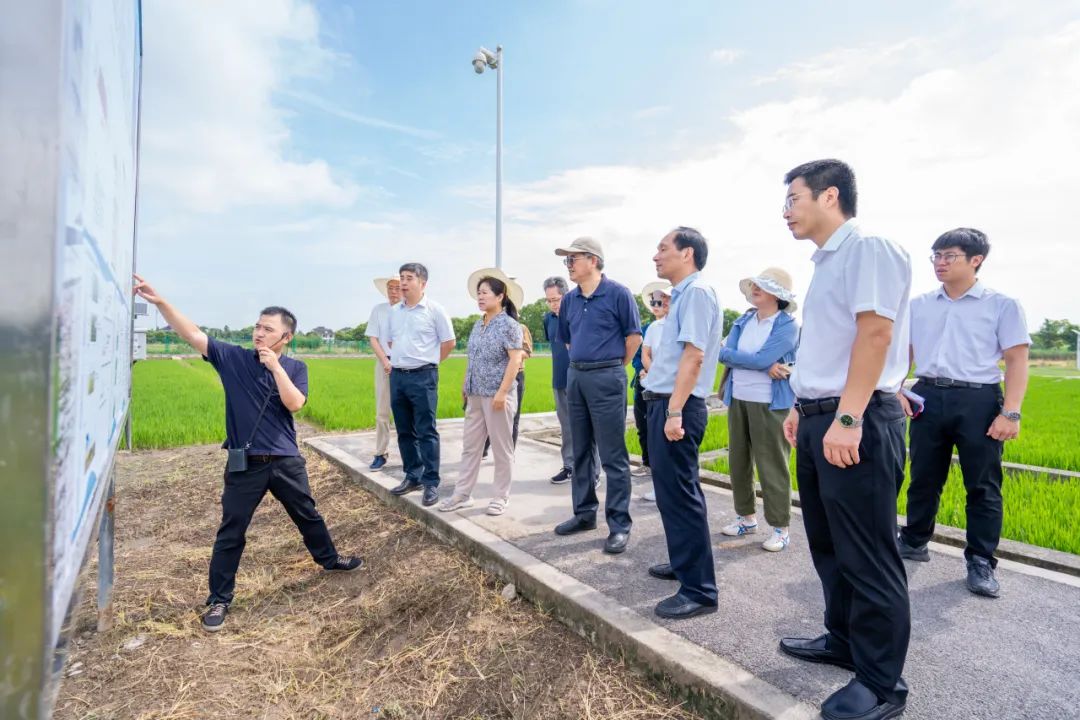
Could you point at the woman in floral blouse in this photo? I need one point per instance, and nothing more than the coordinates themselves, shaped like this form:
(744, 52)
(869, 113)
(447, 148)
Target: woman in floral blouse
(489, 392)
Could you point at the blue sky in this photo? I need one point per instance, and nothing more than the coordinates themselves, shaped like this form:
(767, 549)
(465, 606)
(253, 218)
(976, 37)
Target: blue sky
(294, 150)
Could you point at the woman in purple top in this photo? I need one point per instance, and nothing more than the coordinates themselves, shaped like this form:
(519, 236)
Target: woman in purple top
(489, 391)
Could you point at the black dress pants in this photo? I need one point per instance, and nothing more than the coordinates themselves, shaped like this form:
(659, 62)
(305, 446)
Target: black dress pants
(680, 500)
(956, 417)
(414, 400)
(850, 518)
(286, 479)
(641, 422)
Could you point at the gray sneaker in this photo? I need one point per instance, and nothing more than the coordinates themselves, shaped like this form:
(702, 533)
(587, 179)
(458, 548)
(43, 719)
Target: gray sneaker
(910, 552)
(980, 578)
(214, 618)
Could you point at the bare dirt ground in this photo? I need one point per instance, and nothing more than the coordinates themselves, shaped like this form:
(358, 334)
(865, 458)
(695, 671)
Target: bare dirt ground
(419, 632)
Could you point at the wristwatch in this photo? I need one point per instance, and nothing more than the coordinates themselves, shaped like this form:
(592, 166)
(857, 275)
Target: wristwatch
(673, 413)
(847, 420)
(1011, 415)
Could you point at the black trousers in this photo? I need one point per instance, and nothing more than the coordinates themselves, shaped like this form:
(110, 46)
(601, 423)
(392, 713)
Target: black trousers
(597, 400)
(641, 420)
(850, 518)
(287, 480)
(956, 417)
(681, 501)
(414, 400)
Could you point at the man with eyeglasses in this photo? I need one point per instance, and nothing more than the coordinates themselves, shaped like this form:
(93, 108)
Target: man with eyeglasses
(848, 430)
(554, 289)
(599, 323)
(959, 334)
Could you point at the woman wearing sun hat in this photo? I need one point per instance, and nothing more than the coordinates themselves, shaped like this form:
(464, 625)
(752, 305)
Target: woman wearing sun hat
(489, 390)
(758, 353)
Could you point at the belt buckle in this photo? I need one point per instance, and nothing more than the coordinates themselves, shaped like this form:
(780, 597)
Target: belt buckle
(943, 382)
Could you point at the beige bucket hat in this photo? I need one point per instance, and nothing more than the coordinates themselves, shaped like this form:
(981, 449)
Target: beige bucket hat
(513, 290)
(774, 281)
(654, 287)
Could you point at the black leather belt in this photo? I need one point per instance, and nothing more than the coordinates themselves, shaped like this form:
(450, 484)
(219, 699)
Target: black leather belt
(822, 406)
(950, 383)
(422, 368)
(649, 395)
(263, 459)
(596, 365)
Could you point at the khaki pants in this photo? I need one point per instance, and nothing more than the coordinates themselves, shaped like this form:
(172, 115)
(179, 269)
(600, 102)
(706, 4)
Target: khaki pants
(481, 423)
(756, 437)
(382, 409)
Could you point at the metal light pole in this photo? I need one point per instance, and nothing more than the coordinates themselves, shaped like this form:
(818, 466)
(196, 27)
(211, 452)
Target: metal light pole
(484, 58)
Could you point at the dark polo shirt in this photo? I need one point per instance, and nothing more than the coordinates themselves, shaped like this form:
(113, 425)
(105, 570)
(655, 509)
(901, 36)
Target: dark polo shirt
(596, 327)
(247, 383)
(560, 356)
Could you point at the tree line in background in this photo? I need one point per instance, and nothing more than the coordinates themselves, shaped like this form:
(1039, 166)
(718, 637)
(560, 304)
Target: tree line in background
(1053, 337)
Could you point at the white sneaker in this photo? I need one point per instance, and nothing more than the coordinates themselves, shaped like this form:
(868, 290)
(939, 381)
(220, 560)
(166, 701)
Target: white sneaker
(649, 497)
(455, 502)
(777, 541)
(739, 528)
(640, 471)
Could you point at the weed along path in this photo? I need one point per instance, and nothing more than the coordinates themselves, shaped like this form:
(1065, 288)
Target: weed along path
(420, 632)
(970, 657)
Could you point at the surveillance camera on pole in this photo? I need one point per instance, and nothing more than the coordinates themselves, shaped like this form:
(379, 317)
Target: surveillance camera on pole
(484, 58)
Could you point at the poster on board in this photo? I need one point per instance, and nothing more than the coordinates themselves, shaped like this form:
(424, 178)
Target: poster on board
(92, 362)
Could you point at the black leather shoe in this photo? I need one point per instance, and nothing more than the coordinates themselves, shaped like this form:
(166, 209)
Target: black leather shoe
(680, 607)
(616, 543)
(980, 578)
(855, 701)
(407, 486)
(431, 496)
(561, 477)
(918, 553)
(575, 525)
(662, 571)
(815, 650)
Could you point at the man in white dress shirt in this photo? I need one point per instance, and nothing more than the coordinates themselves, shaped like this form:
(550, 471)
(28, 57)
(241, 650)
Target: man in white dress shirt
(378, 334)
(421, 337)
(848, 430)
(959, 334)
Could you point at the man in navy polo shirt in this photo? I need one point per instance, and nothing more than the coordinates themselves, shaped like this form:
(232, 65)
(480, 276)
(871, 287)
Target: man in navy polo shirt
(600, 325)
(262, 391)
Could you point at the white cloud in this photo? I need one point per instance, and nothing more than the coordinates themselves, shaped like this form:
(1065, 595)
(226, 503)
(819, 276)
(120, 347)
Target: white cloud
(725, 56)
(212, 136)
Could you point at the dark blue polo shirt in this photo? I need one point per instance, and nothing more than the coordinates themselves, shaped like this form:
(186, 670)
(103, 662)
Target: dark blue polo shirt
(560, 356)
(596, 327)
(247, 383)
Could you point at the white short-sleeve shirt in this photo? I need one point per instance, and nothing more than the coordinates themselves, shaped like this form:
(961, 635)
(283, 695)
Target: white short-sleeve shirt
(417, 333)
(753, 385)
(964, 339)
(378, 324)
(853, 273)
(653, 333)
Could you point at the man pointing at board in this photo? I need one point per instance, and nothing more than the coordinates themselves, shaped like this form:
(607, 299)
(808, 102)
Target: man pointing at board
(262, 391)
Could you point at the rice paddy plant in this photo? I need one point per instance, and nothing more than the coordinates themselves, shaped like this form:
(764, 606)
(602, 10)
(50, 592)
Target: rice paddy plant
(176, 402)
(716, 436)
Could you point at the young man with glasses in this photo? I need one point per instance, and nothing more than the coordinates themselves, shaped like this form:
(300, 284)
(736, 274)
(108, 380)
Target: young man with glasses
(599, 323)
(959, 334)
(263, 388)
(848, 430)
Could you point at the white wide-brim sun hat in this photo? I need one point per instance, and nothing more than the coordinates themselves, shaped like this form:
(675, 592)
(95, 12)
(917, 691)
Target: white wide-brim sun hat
(381, 283)
(654, 287)
(776, 282)
(517, 295)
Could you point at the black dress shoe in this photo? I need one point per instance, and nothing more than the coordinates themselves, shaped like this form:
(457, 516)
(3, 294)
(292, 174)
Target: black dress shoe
(680, 607)
(616, 543)
(575, 525)
(431, 496)
(855, 701)
(662, 571)
(815, 650)
(407, 486)
(918, 553)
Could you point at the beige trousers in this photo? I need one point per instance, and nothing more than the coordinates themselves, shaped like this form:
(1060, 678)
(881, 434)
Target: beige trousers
(483, 422)
(382, 409)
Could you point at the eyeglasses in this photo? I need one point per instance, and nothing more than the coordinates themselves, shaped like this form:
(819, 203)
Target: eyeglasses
(947, 258)
(571, 259)
(656, 303)
(789, 201)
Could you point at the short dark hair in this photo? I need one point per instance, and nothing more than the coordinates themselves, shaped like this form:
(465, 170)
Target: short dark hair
(688, 237)
(820, 175)
(783, 304)
(416, 269)
(498, 287)
(287, 318)
(973, 242)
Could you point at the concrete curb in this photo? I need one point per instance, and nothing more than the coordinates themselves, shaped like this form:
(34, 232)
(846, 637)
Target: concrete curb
(712, 685)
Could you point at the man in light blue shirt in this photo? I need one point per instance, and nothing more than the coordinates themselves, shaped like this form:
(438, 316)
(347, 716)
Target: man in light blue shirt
(676, 385)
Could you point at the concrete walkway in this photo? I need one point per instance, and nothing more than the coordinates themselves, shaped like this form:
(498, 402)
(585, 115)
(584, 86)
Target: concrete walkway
(970, 657)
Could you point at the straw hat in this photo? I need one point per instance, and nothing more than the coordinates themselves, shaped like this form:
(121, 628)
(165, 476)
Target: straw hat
(381, 283)
(513, 290)
(653, 287)
(774, 281)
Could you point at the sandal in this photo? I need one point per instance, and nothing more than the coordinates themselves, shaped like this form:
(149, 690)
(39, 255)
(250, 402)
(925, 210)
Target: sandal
(455, 502)
(497, 506)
